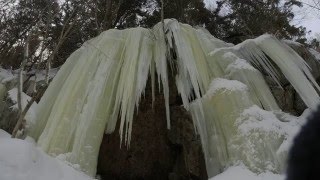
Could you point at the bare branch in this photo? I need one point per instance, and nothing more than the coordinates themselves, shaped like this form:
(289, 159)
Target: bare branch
(62, 38)
(312, 6)
(20, 86)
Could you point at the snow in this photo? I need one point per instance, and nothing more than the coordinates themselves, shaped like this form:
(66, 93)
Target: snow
(22, 160)
(219, 84)
(5, 75)
(31, 114)
(315, 53)
(241, 172)
(290, 42)
(258, 120)
(239, 64)
(41, 75)
(13, 96)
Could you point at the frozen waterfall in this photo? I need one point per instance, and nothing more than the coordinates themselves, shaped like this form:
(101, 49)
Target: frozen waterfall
(220, 84)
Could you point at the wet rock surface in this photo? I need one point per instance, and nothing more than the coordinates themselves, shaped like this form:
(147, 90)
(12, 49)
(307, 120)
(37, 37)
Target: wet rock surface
(155, 152)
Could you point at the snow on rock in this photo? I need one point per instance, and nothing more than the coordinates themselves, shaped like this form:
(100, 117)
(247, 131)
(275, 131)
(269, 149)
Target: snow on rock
(13, 96)
(315, 53)
(22, 160)
(6, 75)
(259, 136)
(31, 114)
(41, 75)
(225, 85)
(240, 172)
(257, 118)
(290, 42)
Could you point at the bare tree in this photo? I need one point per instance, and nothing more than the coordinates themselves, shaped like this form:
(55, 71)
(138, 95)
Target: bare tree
(20, 127)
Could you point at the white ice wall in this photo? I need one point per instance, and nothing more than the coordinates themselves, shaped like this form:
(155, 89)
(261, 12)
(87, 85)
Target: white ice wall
(102, 83)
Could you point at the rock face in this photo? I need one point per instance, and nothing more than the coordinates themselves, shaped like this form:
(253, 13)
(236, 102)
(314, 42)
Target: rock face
(287, 98)
(155, 152)
(8, 115)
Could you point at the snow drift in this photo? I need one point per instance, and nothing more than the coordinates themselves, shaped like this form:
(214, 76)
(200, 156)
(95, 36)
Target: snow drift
(102, 82)
(22, 160)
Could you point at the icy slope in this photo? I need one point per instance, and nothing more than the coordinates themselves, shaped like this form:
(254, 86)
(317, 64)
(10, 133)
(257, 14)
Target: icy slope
(22, 160)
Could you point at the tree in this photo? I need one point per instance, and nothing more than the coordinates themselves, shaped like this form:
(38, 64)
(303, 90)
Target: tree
(251, 18)
(58, 29)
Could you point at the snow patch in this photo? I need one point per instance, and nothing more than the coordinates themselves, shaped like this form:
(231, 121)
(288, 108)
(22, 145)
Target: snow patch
(6, 75)
(22, 160)
(290, 42)
(31, 114)
(226, 85)
(240, 172)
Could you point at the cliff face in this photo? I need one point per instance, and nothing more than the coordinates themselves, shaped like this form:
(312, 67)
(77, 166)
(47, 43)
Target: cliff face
(155, 152)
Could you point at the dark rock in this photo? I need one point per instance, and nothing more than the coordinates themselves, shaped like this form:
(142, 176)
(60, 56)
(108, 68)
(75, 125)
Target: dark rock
(285, 98)
(154, 152)
(8, 115)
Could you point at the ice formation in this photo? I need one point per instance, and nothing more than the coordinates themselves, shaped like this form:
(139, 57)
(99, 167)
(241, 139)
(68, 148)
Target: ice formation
(220, 84)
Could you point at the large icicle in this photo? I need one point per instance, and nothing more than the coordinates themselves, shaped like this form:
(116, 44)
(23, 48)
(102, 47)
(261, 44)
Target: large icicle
(102, 79)
(276, 58)
(160, 59)
(191, 62)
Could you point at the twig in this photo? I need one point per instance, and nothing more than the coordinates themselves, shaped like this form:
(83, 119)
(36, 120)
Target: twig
(314, 7)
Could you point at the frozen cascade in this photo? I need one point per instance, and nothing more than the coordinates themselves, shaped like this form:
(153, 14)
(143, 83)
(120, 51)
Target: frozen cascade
(220, 84)
(265, 52)
(233, 129)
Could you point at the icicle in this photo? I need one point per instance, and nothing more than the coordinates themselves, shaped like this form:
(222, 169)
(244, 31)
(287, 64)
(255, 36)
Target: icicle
(194, 75)
(160, 59)
(293, 67)
(105, 76)
(235, 68)
(265, 52)
(221, 105)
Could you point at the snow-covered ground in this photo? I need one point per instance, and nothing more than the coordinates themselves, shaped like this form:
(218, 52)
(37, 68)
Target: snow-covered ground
(22, 160)
(241, 172)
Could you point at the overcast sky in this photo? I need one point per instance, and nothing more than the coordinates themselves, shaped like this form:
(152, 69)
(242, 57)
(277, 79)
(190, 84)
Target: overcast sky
(308, 17)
